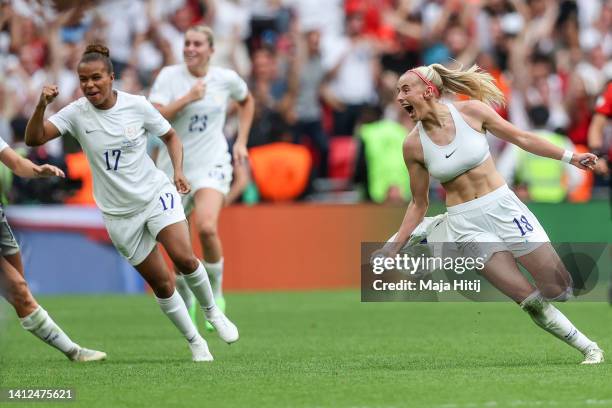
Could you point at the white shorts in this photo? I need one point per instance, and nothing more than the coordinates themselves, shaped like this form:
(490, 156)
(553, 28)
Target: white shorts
(135, 236)
(217, 177)
(497, 221)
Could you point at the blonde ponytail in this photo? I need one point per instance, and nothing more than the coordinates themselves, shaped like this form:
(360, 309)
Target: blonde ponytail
(473, 82)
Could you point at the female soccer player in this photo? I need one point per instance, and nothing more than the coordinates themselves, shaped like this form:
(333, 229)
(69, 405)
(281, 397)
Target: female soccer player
(194, 97)
(13, 286)
(449, 143)
(139, 203)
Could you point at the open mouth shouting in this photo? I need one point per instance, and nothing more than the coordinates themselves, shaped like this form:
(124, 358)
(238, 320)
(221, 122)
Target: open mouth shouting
(409, 108)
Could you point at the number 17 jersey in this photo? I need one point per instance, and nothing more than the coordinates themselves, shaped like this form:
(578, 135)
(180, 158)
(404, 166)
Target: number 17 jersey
(200, 123)
(114, 140)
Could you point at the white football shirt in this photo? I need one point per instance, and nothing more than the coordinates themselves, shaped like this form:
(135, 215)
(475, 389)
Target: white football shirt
(199, 124)
(115, 143)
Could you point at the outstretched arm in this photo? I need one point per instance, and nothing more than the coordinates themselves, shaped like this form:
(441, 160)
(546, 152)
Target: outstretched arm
(25, 168)
(527, 141)
(40, 131)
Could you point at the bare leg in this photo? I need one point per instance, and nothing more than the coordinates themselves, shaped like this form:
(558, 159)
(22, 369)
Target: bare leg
(154, 270)
(15, 287)
(175, 239)
(549, 273)
(502, 272)
(33, 317)
(208, 204)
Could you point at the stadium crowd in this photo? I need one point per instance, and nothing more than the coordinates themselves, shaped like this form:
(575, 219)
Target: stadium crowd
(323, 74)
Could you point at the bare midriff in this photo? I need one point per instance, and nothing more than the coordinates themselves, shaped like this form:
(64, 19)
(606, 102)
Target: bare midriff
(473, 184)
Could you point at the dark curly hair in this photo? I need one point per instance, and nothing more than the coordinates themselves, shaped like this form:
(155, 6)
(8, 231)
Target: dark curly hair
(98, 52)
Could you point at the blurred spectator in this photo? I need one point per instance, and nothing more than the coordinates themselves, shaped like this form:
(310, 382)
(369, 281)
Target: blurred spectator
(229, 20)
(545, 180)
(352, 68)
(311, 89)
(124, 26)
(380, 164)
(274, 95)
(542, 53)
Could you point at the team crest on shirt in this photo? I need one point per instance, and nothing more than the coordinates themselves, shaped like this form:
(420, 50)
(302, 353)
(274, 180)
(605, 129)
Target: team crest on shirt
(130, 132)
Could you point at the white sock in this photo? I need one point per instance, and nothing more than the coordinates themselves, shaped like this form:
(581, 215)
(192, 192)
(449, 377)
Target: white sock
(200, 286)
(40, 324)
(553, 321)
(183, 289)
(215, 273)
(175, 309)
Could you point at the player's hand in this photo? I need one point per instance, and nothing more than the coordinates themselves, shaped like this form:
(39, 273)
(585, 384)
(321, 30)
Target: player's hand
(48, 94)
(584, 161)
(47, 170)
(241, 154)
(181, 183)
(197, 91)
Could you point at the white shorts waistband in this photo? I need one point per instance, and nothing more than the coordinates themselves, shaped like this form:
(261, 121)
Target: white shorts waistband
(480, 201)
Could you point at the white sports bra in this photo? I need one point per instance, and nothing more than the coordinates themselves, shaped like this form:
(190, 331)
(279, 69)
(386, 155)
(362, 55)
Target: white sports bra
(467, 150)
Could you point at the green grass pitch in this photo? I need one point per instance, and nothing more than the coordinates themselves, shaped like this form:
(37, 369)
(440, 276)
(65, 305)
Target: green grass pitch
(316, 349)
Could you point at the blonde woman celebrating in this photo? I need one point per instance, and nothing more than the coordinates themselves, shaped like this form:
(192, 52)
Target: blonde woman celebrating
(449, 144)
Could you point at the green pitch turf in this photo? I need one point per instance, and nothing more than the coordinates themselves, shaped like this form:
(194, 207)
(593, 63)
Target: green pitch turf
(323, 349)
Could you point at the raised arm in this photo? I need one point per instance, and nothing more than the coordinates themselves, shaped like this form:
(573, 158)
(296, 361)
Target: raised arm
(419, 186)
(527, 141)
(25, 168)
(175, 151)
(40, 131)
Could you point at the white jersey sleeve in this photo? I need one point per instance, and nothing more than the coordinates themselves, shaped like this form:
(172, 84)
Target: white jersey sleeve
(238, 88)
(154, 122)
(64, 120)
(161, 91)
(3, 145)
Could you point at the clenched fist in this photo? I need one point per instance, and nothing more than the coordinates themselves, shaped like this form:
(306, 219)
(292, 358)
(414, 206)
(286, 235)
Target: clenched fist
(197, 91)
(48, 94)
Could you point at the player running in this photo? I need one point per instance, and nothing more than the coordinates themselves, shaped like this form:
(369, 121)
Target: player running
(139, 203)
(13, 286)
(449, 144)
(194, 97)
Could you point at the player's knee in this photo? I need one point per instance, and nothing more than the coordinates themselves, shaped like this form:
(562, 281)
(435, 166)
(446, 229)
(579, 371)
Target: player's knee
(186, 263)
(207, 228)
(19, 295)
(163, 288)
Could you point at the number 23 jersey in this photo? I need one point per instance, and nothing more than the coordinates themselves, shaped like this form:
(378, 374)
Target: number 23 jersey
(114, 141)
(200, 123)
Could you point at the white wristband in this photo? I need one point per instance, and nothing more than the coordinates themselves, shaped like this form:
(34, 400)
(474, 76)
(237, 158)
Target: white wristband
(567, 156)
